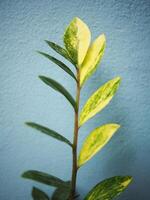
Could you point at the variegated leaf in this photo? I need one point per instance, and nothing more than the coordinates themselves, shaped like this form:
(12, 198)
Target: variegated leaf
(99, 100)
(77, 39)
(92, 58)
(109, 188)
(95, 141)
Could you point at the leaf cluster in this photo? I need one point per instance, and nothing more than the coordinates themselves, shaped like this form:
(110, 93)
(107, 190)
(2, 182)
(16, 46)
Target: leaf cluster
(85, 57)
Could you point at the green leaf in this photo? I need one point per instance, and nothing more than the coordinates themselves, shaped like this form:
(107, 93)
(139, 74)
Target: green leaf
(59, 63)
(43, 178)
(38, 194)
(49, 132)
(95, 141)
(99, 100)
(63, 52)
(92, 58)
(109, 188)
(77, 39)
(58, 87)
(62, 193)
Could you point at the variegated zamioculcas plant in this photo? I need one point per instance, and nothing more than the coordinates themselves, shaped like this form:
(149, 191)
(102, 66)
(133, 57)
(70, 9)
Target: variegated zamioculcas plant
(85, 56)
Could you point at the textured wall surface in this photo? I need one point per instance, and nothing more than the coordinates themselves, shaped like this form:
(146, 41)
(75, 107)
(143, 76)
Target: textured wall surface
(24, 26)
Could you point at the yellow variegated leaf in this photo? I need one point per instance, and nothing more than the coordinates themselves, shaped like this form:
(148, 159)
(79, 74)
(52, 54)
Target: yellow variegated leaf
(95, 141)
(77, 39)
(92, 58)
(99, 100)
(109, 188)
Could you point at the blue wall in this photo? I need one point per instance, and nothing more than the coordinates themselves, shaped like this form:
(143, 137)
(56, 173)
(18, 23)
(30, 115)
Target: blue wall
(24, 26)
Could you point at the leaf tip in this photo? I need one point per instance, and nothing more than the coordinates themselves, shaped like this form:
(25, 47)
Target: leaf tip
(41, 77)
(119, 78)
(46, 41)
(117, 126)
(24, 174)
(127, 181)
(27, 174)
(130, 178)
(27, 123)
(103, 37)
(51, 44)
(37, 51)
(75, 19)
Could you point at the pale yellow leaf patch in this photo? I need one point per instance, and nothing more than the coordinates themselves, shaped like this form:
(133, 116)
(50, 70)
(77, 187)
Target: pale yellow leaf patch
(95, 141)
(77, 38)
(109, 189)
(92, 58)
(99, 100)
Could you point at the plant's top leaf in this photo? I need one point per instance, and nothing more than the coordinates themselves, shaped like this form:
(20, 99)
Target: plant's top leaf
(62, 193)
(109, 188)
(58, 87)
(59, 63)
(95, 141)
(49, 132)
(63, 52)
(99, 100)
(44, 178)
(92, 58)
(77, 39)
(38, 194)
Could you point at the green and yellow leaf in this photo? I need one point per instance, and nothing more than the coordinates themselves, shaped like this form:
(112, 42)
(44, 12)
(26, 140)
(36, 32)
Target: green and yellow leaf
(44, 178)
(109, 188)
(77, 39)
(92, 58)
(38, 194)
(95, 141)
(49, 132)
(99, 100)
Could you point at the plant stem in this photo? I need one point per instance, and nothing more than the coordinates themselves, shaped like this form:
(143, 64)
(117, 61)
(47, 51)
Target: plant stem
(75, 140)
